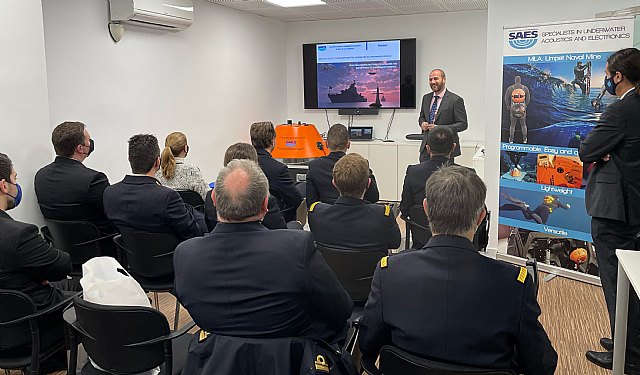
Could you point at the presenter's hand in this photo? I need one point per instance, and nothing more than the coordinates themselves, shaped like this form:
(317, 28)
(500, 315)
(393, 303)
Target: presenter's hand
(424, 126)
(430, 126)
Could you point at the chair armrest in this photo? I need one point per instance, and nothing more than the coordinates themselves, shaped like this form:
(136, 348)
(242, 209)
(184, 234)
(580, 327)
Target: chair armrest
(369, 367)
(58, 306)
(96, 239)
(171, 336)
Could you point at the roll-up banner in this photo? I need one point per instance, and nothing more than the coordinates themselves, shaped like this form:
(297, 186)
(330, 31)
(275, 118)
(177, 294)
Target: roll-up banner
(552, 96)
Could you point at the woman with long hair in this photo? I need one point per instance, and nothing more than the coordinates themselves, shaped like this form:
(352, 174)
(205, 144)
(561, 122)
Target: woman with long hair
(174, 173)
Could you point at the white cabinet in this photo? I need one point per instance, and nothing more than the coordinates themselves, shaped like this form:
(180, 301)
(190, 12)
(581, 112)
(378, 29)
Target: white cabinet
(389, 161)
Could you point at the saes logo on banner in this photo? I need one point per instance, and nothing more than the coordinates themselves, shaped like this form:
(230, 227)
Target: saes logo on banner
(523, 39)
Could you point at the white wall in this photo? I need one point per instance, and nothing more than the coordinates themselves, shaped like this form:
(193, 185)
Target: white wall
(455, 42)
(211, 81)
(521, 13)
(24, 110)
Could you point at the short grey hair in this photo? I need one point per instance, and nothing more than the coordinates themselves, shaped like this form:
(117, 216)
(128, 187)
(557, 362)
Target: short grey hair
(455, 196)
(245, 198)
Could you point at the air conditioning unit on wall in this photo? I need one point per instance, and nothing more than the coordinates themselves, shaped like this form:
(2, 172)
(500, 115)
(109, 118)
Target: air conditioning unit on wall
(164, 14)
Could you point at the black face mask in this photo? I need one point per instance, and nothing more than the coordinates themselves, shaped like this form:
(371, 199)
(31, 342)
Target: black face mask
(91, 147)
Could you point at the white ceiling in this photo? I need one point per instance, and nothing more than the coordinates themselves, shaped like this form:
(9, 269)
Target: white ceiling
(342, 9)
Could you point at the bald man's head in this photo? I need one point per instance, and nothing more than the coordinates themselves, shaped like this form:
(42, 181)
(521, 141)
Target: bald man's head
(241, 192)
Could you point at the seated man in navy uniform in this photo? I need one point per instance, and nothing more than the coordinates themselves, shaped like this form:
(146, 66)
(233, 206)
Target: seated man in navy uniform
(272, 220)
(244, 280)
(281, 184)
(351, 223)
(320, 174)
(32, 266)
(447, 302)
(140, 203)
(439, 146)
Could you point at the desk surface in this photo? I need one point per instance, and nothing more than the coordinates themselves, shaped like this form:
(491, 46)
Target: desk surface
(630, 261)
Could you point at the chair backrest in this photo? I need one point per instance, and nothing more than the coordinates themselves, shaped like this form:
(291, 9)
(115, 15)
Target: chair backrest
(15, 305)
(148, 254)
(106, 330)
(354, 269)
(394, 361)
(421, 234)
(191, 198)
(78, 238)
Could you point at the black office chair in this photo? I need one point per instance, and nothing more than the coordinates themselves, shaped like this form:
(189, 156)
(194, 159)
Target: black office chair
(417, 232)
(394, 361)
(481, 238)
(149, 257)
(81, 239)
(21, 342)
(354, 269)
(193, 199)
(125, 339)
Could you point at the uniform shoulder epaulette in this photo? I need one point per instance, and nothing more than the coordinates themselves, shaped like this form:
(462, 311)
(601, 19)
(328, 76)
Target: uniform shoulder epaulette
(384, 262)
(313, 206)
(522, 275)
(387, 210)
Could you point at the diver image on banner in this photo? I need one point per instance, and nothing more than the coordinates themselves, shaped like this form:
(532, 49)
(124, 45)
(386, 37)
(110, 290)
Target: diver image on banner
(569, 253)
(552, 210)
(564, 171)
(552, 103)
(518, 166)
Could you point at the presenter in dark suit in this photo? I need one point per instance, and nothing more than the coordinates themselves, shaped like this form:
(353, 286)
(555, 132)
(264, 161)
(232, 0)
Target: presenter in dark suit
(66, 189)
(613, 192)
(441, 108)
(140, 203)
(281, 184)
(447, 302)
(350, 223)
(32, 266)
(319, 185)
(247, 281)
(272, 219)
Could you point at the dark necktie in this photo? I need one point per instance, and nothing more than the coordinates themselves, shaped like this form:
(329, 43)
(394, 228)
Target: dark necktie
(434, 107)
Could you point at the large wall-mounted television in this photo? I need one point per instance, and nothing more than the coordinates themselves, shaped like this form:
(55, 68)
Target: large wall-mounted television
(364, 74)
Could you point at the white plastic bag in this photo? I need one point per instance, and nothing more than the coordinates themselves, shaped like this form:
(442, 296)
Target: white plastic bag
(105, 282)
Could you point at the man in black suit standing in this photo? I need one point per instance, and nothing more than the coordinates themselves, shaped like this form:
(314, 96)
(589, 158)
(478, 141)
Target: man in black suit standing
(140, 203)
(244, 280)
(441, 108)
(350, 223)
(69, 191)
(319, 185)
(613, 193)
(281, 184)
(30, 265)
(441, 302)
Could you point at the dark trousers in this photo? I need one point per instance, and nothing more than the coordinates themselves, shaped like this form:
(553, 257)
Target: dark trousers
(609, 235)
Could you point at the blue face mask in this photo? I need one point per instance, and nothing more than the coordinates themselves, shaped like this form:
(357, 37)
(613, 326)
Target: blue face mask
(609, 85)
(18, 197)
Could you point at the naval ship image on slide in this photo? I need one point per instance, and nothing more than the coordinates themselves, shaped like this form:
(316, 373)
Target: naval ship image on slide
(348, 95)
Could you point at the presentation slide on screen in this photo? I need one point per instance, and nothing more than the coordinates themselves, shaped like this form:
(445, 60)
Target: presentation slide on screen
(362, 74)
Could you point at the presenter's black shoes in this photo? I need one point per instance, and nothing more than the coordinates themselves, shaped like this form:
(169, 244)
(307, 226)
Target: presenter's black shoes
(605, 360)
(606, 343)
